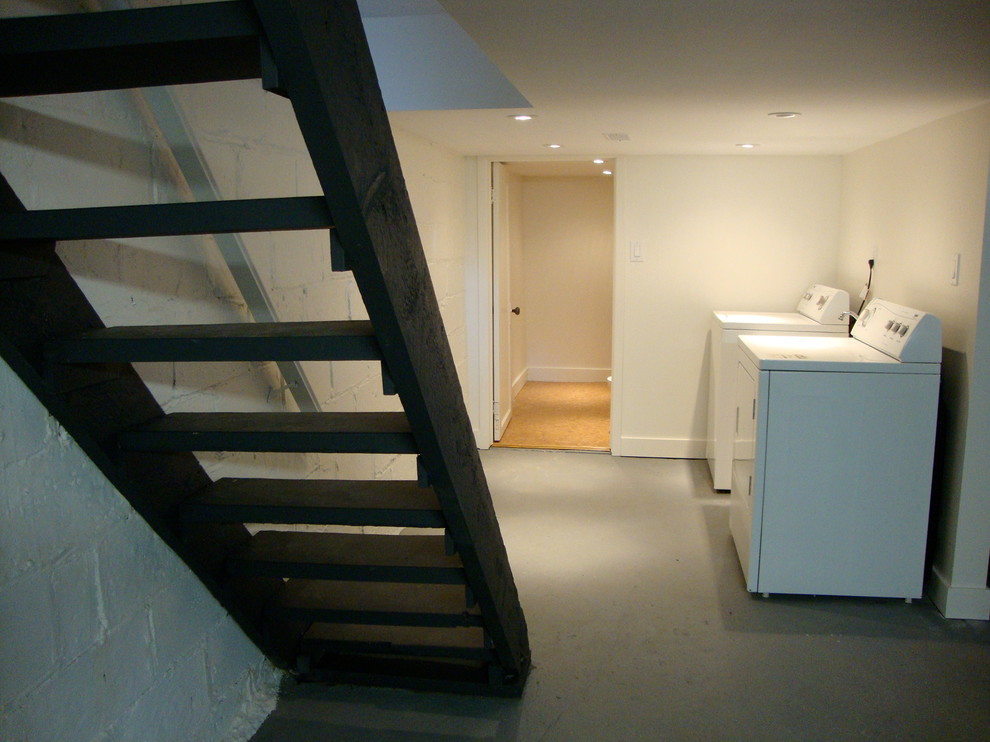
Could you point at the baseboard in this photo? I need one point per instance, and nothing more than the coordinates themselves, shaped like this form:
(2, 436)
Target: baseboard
(559, 373)
(662, 448)
(955, 601)
(520, 382)
(505, 421)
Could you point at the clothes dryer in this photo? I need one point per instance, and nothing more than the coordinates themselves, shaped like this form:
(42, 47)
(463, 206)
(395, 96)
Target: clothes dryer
(821, 310)
(833, 454)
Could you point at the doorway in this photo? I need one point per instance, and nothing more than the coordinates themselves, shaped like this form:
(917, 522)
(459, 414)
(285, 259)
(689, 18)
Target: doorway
(552, 256)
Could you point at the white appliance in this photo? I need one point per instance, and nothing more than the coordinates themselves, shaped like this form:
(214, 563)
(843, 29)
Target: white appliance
(833, 454)
(821, 310)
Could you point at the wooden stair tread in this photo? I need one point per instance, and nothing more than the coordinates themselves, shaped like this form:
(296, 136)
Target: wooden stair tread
(168, 219)
(350, 549)
(316, 501)
(471, 636)
(416, 673)
(349, 556)
(459, 642)
(252, 341)
(374, 602)
(320, 432)
(131, 48)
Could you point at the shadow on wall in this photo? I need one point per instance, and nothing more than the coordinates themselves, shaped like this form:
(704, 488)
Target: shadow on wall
(128, 267)
(73, 141)
(950, 432)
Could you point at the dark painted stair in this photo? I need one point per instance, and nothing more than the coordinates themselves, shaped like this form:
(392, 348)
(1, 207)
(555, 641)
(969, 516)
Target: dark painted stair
(291, 559)
(380, 603)
(307, 432)
(349, 556)
(464, 643)
(269, 341)
(316, 502)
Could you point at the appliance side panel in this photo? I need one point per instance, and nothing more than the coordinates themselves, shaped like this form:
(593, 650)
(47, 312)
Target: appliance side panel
(715, 403)
(725, 357)
(742, 523)
(848, 483)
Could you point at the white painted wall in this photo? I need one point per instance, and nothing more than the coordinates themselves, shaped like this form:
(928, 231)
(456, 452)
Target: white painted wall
(567, 249)
(249, 142)
(917, 200)
(733, 232)
(436, 179)
(263, 155)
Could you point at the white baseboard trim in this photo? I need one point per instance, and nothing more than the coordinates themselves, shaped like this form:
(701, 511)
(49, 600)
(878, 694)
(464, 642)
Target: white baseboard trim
(520, 382)
(955, 601)
(556, 373)
(661, 448)
(506, 420)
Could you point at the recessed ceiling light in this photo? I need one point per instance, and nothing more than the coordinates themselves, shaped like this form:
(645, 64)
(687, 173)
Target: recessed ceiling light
(784, 114)
(599, 161)
(522, 117)
(747, 146)
(606, 172)
(552, 146)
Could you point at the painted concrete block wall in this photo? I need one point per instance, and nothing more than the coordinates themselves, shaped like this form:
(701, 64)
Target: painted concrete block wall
(106, 635)
(252, 145)
(716, 233)
(916, 201)
(97, 150)
(567, 246)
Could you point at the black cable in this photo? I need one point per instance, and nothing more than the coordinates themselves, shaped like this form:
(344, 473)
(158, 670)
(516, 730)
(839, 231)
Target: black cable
(869, 281)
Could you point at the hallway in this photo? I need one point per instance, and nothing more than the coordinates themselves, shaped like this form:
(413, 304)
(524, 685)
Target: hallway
(571, 416)
(641, 629)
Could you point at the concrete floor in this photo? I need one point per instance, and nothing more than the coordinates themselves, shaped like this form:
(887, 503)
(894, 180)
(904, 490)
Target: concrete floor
(641, 629)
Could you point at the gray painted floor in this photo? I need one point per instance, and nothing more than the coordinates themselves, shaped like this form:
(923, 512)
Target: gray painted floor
(641, 629)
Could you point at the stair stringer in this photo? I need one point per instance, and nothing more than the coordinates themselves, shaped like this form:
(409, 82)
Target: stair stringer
(343, 120)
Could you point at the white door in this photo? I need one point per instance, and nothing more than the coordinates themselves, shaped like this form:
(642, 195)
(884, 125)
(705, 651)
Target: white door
(501, 303)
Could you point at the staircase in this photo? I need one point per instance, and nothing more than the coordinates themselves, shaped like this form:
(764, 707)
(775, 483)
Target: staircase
(434, 609)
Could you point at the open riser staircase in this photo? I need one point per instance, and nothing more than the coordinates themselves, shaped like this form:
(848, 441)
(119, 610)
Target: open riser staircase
(429, 609)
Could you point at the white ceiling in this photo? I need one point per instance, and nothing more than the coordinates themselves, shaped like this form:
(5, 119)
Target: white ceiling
(700, 76)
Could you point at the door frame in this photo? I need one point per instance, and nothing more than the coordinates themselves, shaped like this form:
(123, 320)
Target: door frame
(501, 301)
(480, 305)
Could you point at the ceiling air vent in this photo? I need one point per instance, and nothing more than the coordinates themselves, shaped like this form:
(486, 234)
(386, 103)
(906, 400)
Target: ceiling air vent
(616, 136)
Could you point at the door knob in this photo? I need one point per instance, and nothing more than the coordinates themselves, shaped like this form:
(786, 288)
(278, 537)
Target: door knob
(515, 310)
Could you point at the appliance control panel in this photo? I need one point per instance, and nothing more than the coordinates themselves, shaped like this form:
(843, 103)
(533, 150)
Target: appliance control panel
(906, 334)
(825, 305)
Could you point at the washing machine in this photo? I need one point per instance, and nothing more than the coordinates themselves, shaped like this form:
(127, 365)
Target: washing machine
(833, 454)
(821, 310)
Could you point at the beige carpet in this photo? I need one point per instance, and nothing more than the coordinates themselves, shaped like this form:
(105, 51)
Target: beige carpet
(559, 415)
